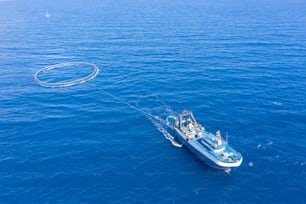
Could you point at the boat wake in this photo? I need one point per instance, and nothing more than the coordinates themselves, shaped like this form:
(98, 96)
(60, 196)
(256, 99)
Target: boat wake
(164, 126)
(163, 119)
(163, 130)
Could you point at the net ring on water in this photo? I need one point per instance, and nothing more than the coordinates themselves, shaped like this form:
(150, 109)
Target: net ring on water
(92, 75)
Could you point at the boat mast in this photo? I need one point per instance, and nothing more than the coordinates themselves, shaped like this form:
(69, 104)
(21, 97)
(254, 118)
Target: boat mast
(218, 137)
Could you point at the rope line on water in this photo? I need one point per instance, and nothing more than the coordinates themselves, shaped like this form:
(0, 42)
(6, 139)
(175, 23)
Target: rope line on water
(152, 118)
(158, 122)
(137, 109)
(83, 80)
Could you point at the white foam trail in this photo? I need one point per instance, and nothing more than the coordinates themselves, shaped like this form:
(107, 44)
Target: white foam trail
(167, 135)
(270, 142)
(277, 103)
(228, 171)
(47, 15)
(169, 118)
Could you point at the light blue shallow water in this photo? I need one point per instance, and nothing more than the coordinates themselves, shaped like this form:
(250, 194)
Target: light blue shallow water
(240, 67)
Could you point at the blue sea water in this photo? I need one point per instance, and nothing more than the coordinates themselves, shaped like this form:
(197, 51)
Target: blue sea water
(240, 66)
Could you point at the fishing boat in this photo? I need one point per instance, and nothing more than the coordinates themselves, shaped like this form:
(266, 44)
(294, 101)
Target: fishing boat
(213, 149)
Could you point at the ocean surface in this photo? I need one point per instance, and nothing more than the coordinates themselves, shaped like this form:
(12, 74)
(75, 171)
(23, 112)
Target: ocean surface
(239, 66)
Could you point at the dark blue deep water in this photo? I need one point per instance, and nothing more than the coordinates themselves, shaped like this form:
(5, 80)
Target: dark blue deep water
(240, 66)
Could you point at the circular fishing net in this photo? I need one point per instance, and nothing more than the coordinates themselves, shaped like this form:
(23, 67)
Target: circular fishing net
(66, 74)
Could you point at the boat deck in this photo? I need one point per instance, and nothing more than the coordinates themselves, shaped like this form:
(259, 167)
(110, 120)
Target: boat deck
(225, 155)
